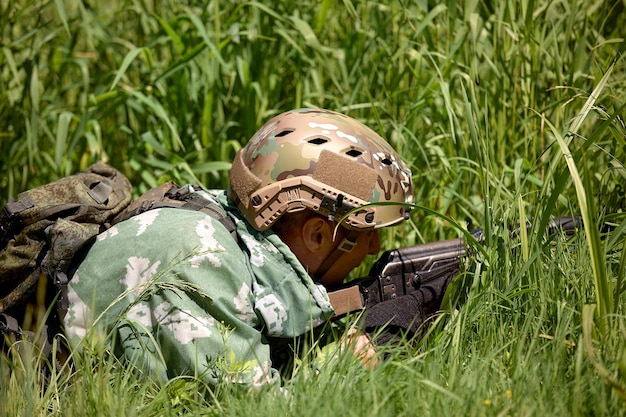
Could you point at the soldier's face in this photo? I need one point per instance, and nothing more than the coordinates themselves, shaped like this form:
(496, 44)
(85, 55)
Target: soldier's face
(313, 239)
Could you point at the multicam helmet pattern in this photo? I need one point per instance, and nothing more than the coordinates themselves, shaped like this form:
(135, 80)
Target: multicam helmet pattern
(322, 161)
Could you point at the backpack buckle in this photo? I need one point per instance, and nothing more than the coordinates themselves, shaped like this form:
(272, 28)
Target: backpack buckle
(15, 207)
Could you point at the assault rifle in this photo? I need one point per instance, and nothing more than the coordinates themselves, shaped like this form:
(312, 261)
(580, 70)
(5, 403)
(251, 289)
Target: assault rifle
(428, 267)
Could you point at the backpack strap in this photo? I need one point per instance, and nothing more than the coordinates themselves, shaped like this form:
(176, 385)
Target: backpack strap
(195, 202)
(170, 195)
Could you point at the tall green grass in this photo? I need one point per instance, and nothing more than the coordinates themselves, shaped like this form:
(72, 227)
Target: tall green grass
(508, 112)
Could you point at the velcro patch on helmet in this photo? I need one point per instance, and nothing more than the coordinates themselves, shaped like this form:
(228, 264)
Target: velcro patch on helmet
(346, 175)
(242, 181)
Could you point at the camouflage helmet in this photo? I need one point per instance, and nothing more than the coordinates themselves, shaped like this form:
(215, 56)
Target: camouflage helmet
(322, 161)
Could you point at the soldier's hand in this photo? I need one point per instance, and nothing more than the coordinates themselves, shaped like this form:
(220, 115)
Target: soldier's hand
(362, 347)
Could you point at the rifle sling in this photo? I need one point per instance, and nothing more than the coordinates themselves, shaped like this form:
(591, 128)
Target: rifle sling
(346, 300)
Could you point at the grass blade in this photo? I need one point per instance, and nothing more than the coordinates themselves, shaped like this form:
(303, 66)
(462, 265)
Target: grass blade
(602, 287)
(128, 59)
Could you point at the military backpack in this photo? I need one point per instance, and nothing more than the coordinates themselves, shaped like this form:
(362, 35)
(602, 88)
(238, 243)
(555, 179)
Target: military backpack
(45, 232)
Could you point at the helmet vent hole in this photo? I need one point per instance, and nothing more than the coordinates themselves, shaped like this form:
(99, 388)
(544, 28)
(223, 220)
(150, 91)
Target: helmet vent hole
(317, 141)
(284, 133)
(386, 161)
(354, 153)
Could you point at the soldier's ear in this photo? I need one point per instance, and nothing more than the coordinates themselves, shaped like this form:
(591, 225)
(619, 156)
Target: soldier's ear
(317, 235)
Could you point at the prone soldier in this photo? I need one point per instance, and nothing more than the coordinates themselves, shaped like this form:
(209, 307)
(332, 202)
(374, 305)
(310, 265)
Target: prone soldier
(176, 294)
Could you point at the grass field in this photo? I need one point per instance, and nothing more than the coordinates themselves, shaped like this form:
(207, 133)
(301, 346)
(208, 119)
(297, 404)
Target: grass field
(507, 111)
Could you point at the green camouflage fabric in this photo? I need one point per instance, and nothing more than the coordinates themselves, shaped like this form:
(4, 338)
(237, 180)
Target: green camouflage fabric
(177, 295)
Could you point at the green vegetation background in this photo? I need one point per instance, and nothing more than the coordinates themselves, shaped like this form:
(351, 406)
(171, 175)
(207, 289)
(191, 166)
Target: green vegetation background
(507, 111)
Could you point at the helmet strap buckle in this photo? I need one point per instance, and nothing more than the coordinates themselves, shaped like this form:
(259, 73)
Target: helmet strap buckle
(346, 245)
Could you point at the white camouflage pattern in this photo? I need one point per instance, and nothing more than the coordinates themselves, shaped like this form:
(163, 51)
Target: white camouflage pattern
(178, 278)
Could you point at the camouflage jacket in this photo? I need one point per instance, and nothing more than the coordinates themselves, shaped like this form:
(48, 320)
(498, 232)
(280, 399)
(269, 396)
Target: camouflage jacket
(175, 294)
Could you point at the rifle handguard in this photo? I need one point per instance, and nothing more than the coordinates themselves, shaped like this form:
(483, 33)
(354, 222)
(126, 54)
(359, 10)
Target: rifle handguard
(429, 267)
(399, 272)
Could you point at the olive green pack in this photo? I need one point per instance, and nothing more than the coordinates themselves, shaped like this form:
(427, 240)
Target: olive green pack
(45, 227)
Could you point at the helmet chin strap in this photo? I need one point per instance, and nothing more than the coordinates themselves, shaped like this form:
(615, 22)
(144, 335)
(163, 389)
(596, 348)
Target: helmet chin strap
(346, 245)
